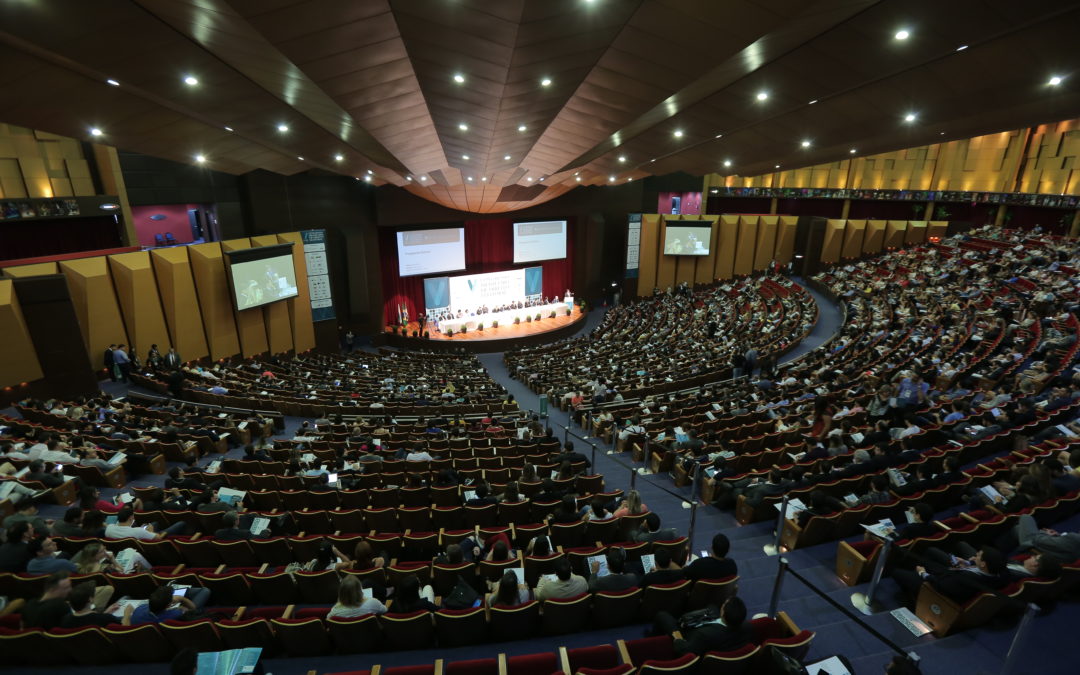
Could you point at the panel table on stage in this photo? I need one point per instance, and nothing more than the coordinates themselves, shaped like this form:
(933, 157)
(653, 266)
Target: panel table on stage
(504, 318)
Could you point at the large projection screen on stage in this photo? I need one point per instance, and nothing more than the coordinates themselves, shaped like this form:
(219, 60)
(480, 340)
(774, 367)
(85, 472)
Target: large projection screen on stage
(431, 251)
(687, 238)
(494, 289)
(540, 240)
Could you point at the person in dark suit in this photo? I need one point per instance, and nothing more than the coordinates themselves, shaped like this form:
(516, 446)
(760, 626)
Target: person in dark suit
(229, 530)
(923, 525)
(725, 635)
(665, 572)
(959, 579)
(617, 579)
(717, 565)
(172, 359)
(109, 363)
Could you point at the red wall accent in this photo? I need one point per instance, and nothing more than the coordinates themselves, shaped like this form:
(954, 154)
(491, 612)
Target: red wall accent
(690, 206)
(176, 221)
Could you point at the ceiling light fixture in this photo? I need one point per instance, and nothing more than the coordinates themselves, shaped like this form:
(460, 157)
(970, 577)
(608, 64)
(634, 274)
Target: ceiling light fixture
(113, 82)
(409, 178)
(96, 132)
(777, 166)
(1055, 81)
(529, 179)
(300, 158)
(622, 158)
(423, 177)
(541, 179)
(652, 160)
(727, 162)
(719, 136)
(200, 158)
(806, 144)
(465, 157)
(338, 158)
(370, 172)
(910, 117)
(941, 134)
(961, 48)
(506, 158)
(611, 178)
(191, 80)
(522, 127)
(578, 179)
(678, 133)
(228, 128)
(483, 179)
(283, 128)
(367, 179)
(812, 102)
(902, 35)
(546, 82)
(469, 179)
(459, 78)
(762, 95)
(852, 151)
(463, 126)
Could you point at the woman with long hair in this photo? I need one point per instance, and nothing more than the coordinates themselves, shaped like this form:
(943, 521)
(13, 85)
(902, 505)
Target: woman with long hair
(351, 601)
(632, 505)
(508, 592)
(410, 596)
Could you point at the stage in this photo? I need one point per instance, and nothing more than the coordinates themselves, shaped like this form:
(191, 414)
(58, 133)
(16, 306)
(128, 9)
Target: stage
(490, 339)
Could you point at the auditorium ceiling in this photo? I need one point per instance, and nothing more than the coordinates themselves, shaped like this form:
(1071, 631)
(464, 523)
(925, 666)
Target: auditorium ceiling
(495, 105)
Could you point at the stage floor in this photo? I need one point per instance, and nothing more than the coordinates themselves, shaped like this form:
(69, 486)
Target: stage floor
(503, 332)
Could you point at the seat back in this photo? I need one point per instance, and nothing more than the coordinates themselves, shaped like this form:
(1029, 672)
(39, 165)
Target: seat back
(317, 588)
(515, 623)
(355, 635)
(141, 644)
(712, 592)
(566, 615)
(735, 662)
(459, 627)
(301, 637)
(670, 598)
(200, 634)
(414, 630)
(253, 632)
(615, 608)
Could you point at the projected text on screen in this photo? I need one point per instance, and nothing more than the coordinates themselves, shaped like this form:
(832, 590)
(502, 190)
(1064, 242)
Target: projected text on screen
(545, 240)
(431, 251)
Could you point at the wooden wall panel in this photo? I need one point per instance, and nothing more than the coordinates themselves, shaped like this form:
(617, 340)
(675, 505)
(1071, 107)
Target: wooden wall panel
(706, 264)
(685, 268)
(215, 300)
(650, 230)
(279, 337)
(35, 270)
(140, 304)
(94, 298)
(916, 232)
(303, 331)
(179, 302)
(18, 359)
(874, 239)
(785, 239)
(765, 248)
(727, 243)
(833, 241)
(250, 326)
(745, 244)
(665, 264)
(936, 228)
(854, 234)
(895, 231)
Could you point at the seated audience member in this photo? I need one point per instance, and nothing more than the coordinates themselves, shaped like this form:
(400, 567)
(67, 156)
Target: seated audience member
(631, 506)
(47, 611)
(351, 601)
(483, 496)
(650, 530)
(665, 572)
(80, 600)
(230, 530)
(922, 525)
(71, 525)
(617, 578)
(717, 565)
(507, 592)
(728, 634)
(958, 578)
(1064, 546)
(15, 552)
(410, 596)
(26, 512)
(124, 527)
(566, 584)
(821, 504)
(1040, 565)
(566, 512)
(164, 605)
(44, 560)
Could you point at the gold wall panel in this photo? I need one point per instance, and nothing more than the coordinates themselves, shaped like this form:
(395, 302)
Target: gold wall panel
(33, 270)
(140, 304)
(703, 273)
(874, 239)
(179, 302)
(854, 233)
(833, 241)
(744, 246)
(895, 232)
(215, 300)
(279, 337)
(18, 359)
(785, 239)
(303, 330)
(765, 249)
(665, 264)
(936, 228)
(727, 242)
(916, 232)
(650, 230)
(685, 268)
(39, 165)
(250, 326)
(94, 298)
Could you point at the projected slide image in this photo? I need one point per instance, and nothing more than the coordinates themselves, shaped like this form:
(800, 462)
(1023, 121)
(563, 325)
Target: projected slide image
(261, 281)
(430, 251)
(687, 240)
(544, 240)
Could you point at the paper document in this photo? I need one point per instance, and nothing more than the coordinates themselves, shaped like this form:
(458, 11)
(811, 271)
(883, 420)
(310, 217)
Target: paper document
(794, 506)
(231, 496)
(648, 562)
(602, 570)
(259, 525)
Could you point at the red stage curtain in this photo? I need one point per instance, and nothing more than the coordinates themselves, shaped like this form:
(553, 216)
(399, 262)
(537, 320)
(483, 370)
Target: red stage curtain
(489, 247)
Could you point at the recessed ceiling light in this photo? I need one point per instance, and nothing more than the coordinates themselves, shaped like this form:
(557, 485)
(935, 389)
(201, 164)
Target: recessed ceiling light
(678, 133)
(1055, 81)
(611, 178)
(483, 179)
(423, 177)
(96, 132)
(719, 136)
(541, 179)
(812, 102)
(852, 151)
(622, 158)
(113, 82)
(200, 158)
(806, 144)
(629, 179)
(283, 128)
(902, 35)
(464, 156)
(463, 126)
(910, 117)
(367, 178)
(775, 167)
(300, 158)
(370, 172)
(578, 179)
(506, 158)
(961, 48)
(546, 82)
(762, 95)
(727, 162)
(941, 134)
(338, 158)
(522, 127)
(459, 78)
(228, 128)
(191, 80)
(408, 178)
(469, 179)
(652, 160)
(529, 179)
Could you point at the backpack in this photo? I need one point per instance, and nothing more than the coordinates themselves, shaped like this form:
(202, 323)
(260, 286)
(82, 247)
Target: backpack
(462, 596)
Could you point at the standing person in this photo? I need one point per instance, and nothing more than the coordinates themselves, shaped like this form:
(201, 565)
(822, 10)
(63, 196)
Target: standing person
(123, 363)
(153, 357)
(349, 340)
(110, 363)
(172, 359)
(751, 358)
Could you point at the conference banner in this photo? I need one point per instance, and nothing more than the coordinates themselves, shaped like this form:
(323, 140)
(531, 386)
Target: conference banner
(318, 270)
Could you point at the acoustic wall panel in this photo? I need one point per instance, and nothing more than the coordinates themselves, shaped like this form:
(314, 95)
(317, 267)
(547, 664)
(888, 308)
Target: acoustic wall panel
(895, 231)
(215, 300)
(703, 273)
(833, 241)
(854, 234)
(94, 298)
(303, 331)
(745, 244)
(727, 241)
(33, 270)
(684, 268)
(140, 304)
(650, 232)
(765, 249)
(785, 239)
(179, 302)
(916, 232)
(18, 359)
(936, 228)
(276, 315)
(250, 326)
(665, 264)
(874, 239)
